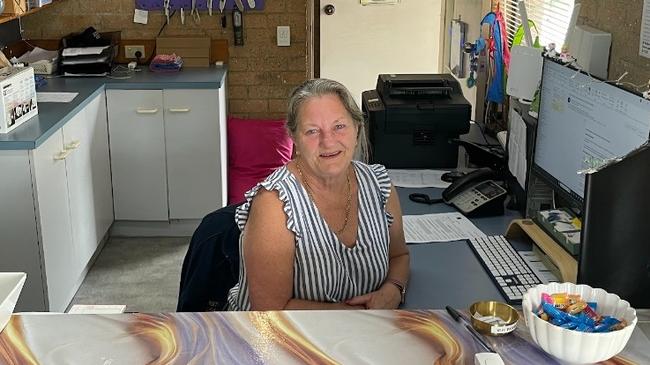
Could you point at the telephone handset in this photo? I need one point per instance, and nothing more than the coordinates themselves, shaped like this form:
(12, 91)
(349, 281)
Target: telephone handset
(476, 194)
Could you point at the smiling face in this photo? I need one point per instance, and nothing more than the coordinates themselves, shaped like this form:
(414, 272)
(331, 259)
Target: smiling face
(326, 136)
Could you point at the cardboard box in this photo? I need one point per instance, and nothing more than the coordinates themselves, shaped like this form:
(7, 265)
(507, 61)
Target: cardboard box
(18, 98)
(195, 51)
(15, 7)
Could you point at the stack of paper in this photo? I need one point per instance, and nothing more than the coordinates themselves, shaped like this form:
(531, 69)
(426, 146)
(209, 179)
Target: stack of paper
(441, 227)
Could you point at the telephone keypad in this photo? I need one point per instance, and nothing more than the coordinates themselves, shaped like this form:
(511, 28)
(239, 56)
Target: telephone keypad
(478, 195)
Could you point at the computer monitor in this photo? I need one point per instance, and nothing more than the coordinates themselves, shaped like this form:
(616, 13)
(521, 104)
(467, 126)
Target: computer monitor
(583, 121)
(615, 254)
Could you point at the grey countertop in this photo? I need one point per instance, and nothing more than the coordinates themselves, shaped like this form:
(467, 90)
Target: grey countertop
(52, 116)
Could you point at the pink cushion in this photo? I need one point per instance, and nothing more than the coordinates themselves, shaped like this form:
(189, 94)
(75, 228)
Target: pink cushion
(256, 147)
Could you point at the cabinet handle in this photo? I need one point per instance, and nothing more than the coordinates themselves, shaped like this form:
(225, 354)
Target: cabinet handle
(62, 155)
(179, 110)
(72, 145)
(146, 111)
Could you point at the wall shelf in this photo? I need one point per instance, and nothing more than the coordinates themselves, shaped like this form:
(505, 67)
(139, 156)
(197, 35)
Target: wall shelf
(8, 18)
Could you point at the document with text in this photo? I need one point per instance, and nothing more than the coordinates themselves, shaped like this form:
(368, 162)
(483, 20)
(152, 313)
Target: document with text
(440, 227)
(644, 43)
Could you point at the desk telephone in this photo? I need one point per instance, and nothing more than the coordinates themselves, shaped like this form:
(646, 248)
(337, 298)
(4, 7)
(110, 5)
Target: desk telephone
(476, 194)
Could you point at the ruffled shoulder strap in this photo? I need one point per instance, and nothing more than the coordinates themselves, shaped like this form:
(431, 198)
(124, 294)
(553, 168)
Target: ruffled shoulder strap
(383, 181)
(278, 180)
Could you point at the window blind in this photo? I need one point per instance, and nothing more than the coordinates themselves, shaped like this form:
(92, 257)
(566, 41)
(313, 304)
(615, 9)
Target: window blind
(550, 16)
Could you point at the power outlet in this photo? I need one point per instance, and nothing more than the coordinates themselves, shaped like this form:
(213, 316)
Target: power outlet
(130, 51)
(284, 36)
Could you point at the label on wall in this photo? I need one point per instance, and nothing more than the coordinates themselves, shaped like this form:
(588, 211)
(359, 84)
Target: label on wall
(644, 45)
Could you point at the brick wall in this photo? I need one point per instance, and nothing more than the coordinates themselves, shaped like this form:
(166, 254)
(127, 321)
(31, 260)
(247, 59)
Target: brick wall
(261, 74)
(621, 18)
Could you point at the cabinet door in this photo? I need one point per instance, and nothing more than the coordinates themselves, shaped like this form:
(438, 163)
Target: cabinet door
(137, 144)
(101, 165)
(88, 172)
(19, 247)
(80, 199)
(194, 161)
(54, 216)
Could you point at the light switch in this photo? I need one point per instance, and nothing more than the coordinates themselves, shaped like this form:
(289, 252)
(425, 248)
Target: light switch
(284, 36)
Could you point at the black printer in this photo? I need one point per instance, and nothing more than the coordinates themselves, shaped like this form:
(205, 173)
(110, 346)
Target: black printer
(412, 117)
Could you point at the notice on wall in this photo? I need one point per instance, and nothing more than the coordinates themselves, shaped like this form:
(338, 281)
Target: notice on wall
(141, 16)
(644, 44)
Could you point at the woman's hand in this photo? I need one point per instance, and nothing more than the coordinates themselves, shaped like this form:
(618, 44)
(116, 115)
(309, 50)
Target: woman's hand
(387, 297)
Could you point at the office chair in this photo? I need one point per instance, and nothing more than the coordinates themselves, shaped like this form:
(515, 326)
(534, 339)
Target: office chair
(211, 265)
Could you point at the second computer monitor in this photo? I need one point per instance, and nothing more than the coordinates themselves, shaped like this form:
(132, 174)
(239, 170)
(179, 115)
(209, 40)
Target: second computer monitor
(582, 122)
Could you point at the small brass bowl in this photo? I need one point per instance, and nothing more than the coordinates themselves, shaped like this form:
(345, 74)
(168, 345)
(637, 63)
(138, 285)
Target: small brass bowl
(493, 310)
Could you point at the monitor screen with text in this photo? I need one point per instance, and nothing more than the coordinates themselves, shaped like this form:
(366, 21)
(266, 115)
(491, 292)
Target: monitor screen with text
(582, 122)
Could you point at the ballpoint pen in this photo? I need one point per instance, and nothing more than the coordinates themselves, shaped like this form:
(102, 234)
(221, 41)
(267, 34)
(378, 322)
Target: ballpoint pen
(457, 317)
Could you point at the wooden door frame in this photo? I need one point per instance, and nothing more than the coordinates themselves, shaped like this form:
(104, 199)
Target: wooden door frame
(313, 16)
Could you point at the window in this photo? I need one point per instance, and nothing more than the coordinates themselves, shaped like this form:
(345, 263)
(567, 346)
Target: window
(550, 16)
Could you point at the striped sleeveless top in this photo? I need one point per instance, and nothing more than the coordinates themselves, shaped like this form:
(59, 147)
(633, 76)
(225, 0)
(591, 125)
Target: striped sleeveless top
(324, 269)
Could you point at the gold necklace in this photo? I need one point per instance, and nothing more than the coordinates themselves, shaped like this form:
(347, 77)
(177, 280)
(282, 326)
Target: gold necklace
(348, 204)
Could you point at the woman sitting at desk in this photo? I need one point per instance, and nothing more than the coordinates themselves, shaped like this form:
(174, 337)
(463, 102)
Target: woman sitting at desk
(323, 231)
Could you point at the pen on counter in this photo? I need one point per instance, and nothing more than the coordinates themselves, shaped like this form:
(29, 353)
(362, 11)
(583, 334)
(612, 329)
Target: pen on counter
(457, 317)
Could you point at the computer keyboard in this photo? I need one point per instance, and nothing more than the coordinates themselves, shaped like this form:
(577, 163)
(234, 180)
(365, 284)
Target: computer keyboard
(506, 267)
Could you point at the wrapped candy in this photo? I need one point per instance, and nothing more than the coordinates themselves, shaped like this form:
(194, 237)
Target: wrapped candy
(570, 311)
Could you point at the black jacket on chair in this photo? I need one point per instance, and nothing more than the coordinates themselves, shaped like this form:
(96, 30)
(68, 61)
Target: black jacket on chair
(211, 265)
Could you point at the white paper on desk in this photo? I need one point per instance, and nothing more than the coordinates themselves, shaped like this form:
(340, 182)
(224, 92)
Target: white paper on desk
(440, 227)
(55, 97)
(97, 309)
(85, 75)
(417, 178)
(517, 147)
(37, 54)
(81, 51)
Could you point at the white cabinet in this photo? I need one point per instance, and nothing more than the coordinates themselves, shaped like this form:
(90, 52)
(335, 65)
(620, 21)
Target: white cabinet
(99, 158)
(69, 195)
(168, 153)
(51, 187)
(137, 143)
(193, 146)
(19, 242)
(89, 178)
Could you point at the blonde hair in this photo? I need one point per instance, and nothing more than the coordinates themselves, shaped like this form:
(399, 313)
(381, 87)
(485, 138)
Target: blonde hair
(320, 87)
